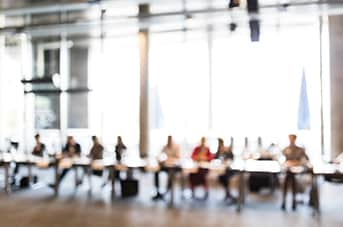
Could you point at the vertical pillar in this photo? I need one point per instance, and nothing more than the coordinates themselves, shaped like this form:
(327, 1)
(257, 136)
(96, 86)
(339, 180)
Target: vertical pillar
(210, 96)
(2, 50)
(143, 36)
(210, 71)
(336, 83)
(64, 75)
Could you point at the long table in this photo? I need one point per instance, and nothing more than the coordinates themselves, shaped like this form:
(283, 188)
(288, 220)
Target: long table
(183, 166)
(254, 166)
(188, 166)
(27, 160)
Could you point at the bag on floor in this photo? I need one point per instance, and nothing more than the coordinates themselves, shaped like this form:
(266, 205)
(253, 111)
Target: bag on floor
(258, 181)
(129, 188)
(25, 181)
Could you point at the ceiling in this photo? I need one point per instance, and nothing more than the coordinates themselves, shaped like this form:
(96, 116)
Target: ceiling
(53, 17)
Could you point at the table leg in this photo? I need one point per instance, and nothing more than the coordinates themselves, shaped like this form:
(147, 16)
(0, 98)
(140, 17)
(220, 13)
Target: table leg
(315, 195)
(29, 168)
(89, 174)
(113, 179)
(57, 176)
(273, 176)
(171, 176)
(7, 183)
(76, 178)
(240, 191)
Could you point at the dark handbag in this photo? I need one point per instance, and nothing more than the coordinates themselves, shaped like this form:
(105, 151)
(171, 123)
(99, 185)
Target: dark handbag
(25, 181)
(129, 188)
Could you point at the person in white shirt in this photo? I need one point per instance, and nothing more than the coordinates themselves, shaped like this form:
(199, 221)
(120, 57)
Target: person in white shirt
(171, 153)
(295, 156)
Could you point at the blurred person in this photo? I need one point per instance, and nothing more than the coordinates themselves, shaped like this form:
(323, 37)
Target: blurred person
(225, 153)
(71, 149)
(200, 153)
(120, 148)
(39, 148)
(119, 151)
(96, 153)
(171, 151)
(295, 156)
(97, 149)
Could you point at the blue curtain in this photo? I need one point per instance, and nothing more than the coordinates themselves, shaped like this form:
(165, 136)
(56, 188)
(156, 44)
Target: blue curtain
(303, 109)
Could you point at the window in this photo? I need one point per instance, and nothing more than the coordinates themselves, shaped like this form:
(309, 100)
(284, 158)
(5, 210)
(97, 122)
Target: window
(47, 111)
(179, 91)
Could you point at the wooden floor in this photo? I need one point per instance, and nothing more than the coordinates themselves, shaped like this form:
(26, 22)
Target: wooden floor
(26, 208)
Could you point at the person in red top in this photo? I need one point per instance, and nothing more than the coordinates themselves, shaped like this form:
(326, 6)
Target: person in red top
(200, 154)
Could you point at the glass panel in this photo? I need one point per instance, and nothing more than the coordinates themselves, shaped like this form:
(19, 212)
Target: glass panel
(78, 67)
(47, 111)
(256, 86)
(51, 62)
(179, 91)
(114, 101)
(11, 93)
(78, 110)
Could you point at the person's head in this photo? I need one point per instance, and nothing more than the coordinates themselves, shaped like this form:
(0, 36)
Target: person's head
(119, 140)
(37, 138)
(70, 140)
(292, 138)
(170, 140)
(203, 141)
(220, 142)
(95, 139)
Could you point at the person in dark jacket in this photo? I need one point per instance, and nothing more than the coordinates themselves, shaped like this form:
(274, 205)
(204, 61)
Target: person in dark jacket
(224, 153)
(39, 148)
(71, 149)
(96, 153)
(120, 148)
(97, 149)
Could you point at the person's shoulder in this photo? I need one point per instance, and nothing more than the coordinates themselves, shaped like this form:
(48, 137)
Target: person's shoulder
(196, 148)
(302, 149)
(285, 149)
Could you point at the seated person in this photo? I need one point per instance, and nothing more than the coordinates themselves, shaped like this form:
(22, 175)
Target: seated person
(120, 148)
(200, 154)
(295, 156)
(172, 153)
(71, 149)
(39, 148)
(225, 153)
(96, 153)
